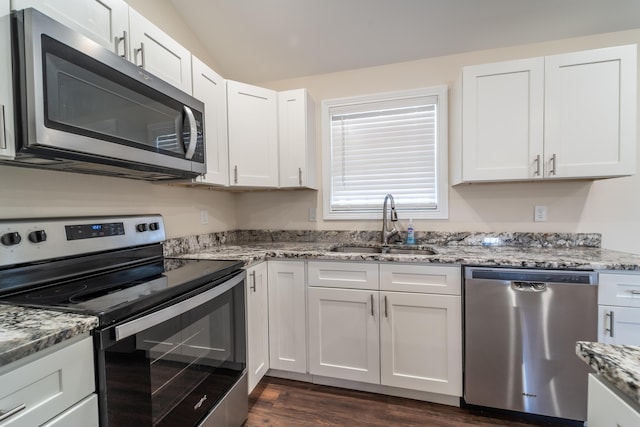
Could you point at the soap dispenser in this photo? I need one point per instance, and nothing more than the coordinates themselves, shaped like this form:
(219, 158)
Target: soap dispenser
(411, 239)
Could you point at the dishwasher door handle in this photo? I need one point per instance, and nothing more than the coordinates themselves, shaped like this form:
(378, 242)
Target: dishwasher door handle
(528, 286)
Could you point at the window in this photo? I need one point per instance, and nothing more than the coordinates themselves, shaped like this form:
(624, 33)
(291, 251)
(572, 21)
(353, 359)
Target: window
(386, 143)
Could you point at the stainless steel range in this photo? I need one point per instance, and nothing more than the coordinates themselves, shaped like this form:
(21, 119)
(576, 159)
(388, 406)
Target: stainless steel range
(171, 344)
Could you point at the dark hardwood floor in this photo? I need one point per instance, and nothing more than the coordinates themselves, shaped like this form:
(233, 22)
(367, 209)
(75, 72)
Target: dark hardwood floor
(279, 402)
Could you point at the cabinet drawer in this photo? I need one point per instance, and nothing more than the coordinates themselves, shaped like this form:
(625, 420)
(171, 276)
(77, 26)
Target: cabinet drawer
(350, 275)
(84, 414)
(431, 279)
(48, 385)
(619, 289)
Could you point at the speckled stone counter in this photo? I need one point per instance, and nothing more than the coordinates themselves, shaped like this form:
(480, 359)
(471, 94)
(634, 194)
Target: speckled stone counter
(618, 364)
(582, 258)
(24, 331)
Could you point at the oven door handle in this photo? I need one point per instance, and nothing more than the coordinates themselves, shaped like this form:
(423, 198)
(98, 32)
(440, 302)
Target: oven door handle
(150, 320)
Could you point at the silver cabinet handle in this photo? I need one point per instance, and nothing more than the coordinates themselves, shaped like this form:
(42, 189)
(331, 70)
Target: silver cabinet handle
(372, 304)
(125, 41)
(386, 312)
(611, 323)
(253, 280)
(552, 171)
(193, 136)
(140, 51)
(537, 163)
(300, 176)
(3, 131)
(235, 174)
(5, 415)
(634, 292)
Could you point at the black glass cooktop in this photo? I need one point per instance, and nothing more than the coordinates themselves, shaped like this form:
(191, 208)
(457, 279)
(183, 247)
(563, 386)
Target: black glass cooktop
(121, 292)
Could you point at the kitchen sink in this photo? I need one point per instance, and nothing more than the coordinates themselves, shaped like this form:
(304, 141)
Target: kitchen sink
(380, 250)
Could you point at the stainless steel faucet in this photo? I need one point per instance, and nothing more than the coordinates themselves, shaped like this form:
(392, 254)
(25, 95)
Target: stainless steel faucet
(388, 231)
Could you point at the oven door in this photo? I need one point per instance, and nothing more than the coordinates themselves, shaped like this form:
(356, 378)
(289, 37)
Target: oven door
(172, 366)
(80, 101)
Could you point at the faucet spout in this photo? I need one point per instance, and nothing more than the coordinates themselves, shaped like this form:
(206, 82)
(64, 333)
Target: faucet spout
(388, 221)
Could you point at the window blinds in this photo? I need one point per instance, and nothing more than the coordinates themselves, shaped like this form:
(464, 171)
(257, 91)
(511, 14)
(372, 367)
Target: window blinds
(384, 147)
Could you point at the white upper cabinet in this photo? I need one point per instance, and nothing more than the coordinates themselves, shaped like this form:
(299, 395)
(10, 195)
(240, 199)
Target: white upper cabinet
(252, 115)
(502, 120)
(7, 136)
(156, 52)
(104, 21)
(297, 139)
(557, 117)
(209, 88)
(590, 113)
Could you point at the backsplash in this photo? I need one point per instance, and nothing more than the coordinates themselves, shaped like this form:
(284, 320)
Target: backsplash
(190, 244)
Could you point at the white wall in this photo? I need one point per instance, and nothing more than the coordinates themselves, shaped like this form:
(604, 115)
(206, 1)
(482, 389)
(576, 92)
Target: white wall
(610, 207)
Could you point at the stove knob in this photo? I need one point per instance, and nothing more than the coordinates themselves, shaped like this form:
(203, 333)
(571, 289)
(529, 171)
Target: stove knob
(154, 226)
(141, 227)
(10, 239)
(37, 236)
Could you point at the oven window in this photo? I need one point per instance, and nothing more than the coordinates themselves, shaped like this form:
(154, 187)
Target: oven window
(173, 373)
(85, 97)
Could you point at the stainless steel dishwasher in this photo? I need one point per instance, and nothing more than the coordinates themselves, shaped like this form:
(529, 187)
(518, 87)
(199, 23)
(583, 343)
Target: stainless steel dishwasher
(521, 328)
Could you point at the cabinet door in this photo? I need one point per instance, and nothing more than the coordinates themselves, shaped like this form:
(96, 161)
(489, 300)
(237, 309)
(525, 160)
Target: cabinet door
(156, 52)
(7, 136)
(209, 88)
(343, 334)
(502, 120)
(619, 325)
(257, 324)
(253, 135)
(296, 139)
(607, 409)
(421, 342)
(104, 21)
(287, 316)
(590, 113)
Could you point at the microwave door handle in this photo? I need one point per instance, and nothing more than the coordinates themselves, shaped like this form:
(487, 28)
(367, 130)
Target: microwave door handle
(150, 320)
(193, 136)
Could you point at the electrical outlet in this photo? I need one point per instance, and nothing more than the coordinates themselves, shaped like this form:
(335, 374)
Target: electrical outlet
(204, 217)
(540, 213)
(312, 214)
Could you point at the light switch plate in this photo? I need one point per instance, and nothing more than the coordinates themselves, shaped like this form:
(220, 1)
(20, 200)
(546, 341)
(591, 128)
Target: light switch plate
(540, 213)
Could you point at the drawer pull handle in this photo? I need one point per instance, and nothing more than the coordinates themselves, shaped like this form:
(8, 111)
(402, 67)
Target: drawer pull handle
(11, 412)
(253, 277)
(611, 323)
(634, 292)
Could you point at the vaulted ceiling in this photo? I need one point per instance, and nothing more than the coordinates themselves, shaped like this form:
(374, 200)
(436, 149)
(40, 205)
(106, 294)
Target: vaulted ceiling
(265, 40)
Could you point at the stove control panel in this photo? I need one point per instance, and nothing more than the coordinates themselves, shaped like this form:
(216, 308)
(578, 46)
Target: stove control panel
(39, 239)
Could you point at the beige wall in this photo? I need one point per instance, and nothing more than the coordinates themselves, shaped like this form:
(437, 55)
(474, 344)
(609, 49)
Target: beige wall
(610, 207)
(28, 193)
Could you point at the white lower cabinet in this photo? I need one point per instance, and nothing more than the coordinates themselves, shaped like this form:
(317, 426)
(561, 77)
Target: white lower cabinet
(420, 342)
(607, 408)
(55, 387)
(344, 334)
(287, 316)
(619, 308)
(403, 330)
(257, 324)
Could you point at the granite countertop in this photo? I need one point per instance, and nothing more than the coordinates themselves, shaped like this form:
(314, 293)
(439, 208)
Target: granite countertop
(24, 331)
(618, 364)
(582, 258)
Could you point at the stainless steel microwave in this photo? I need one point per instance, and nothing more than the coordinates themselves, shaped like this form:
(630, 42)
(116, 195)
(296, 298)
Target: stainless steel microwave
(80, 107)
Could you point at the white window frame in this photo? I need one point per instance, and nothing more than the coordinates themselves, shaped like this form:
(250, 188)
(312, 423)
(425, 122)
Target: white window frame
(442, 162)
